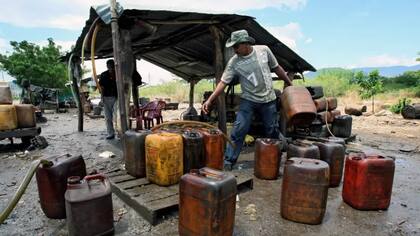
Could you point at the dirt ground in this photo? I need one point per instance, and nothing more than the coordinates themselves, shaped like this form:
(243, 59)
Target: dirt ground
(387, 134)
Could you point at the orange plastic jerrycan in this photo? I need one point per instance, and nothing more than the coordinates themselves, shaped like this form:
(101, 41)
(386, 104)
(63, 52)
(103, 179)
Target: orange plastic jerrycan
(267, 158)
(214, 145)
(207, 202)
(164, 158)
(304, 190)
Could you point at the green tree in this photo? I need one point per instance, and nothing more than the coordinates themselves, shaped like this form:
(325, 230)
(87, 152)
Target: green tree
(418, 58)
(370, 85)
(40, 65)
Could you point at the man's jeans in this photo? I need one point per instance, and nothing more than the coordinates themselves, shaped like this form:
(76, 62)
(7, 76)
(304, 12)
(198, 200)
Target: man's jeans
(247, 109)
(109, 105)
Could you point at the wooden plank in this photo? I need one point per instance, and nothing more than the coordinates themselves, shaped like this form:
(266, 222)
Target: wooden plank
(122, 178)
(133, 183)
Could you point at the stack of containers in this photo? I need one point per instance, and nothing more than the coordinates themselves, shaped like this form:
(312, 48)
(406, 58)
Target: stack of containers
(8, 117)
(326, 108)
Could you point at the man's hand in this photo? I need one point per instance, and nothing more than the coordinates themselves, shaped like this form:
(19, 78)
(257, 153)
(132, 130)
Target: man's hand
(206, 106)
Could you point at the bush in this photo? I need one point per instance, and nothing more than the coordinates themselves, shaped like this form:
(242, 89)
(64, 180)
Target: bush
(397, 108)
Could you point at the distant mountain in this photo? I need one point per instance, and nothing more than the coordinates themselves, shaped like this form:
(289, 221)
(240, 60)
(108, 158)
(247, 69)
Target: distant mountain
(390, 71)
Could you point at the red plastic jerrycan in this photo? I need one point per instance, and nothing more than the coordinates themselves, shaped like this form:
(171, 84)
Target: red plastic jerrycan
(89, 206)
(207, 202)
(52, 182)
(214, 145)
(333, 154)
(368, 181)
(304, 190)
(267, 158)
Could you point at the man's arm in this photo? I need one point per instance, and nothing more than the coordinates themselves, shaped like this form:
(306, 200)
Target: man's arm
(219, 89)
(281, 74)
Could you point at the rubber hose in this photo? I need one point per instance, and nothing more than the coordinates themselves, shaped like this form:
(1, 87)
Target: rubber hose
(191, 122)
(326, 111)
(86, 37)
(92, 57)
(70, 75)
(12, 203)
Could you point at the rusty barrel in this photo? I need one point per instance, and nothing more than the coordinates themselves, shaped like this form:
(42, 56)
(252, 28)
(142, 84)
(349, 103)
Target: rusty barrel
(298, 105)
(193, 150)
(267, 158)
(134, 152)
(214, 145)
(303, 150)
(51, 179)
(89, 206)
(207, 199)
(333, 154)
(304, 190)
(368, 180)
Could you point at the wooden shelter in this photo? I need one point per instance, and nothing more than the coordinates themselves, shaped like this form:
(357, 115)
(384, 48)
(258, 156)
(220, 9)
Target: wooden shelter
(188, 44)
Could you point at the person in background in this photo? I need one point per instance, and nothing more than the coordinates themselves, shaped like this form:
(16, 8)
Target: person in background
(108, 84)
(252, 65)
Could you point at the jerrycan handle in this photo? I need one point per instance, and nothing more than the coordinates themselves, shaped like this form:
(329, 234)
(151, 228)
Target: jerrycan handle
(208, 173)
(101, 177)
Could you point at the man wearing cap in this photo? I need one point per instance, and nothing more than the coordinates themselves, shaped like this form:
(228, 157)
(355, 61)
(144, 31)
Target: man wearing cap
(252, 65)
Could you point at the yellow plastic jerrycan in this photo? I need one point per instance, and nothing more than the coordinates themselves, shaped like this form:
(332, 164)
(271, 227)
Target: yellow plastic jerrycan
(164, 155)
(8, 118)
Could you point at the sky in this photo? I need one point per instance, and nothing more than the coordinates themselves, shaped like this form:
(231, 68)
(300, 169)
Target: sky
(326, 33)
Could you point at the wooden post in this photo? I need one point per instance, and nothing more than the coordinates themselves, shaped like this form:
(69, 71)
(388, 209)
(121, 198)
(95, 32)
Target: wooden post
(219, 66)
(116, 42)
(191, 100)
(134, 88)
(76, 74)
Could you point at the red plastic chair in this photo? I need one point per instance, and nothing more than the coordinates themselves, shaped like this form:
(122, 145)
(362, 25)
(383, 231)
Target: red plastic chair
(152, 111)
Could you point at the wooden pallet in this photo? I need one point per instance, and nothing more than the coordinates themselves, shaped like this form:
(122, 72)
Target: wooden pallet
(152, 201)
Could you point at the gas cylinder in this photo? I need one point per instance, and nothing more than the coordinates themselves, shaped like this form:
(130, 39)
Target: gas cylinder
(298, 105)
(331, 103)
(214, 146)
(333, 154)
(134, 152)
(304, 190)
(5, 94)
(164, 161)
(52, 181)
(342, 126)
(8, 118)
(193, 150)
(367, 183)
(207, 202)
(89, 206)
(267, 158)
(303, 150)
(25, 115)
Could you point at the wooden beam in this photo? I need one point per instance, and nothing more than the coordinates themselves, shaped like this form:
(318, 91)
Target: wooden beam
(219, 67)
(183, 22)
(116, 41)
(76, 74)
(134, 88)
(191, 100)
(127, 67)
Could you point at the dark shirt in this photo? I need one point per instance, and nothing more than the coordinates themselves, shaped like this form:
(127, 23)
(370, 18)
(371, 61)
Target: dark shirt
(108, 84)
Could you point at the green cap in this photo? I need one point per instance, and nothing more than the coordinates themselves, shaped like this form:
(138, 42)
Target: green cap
(239, 36)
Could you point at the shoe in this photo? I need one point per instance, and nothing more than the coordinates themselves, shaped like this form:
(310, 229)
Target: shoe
(110, 137)
(227, 167)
